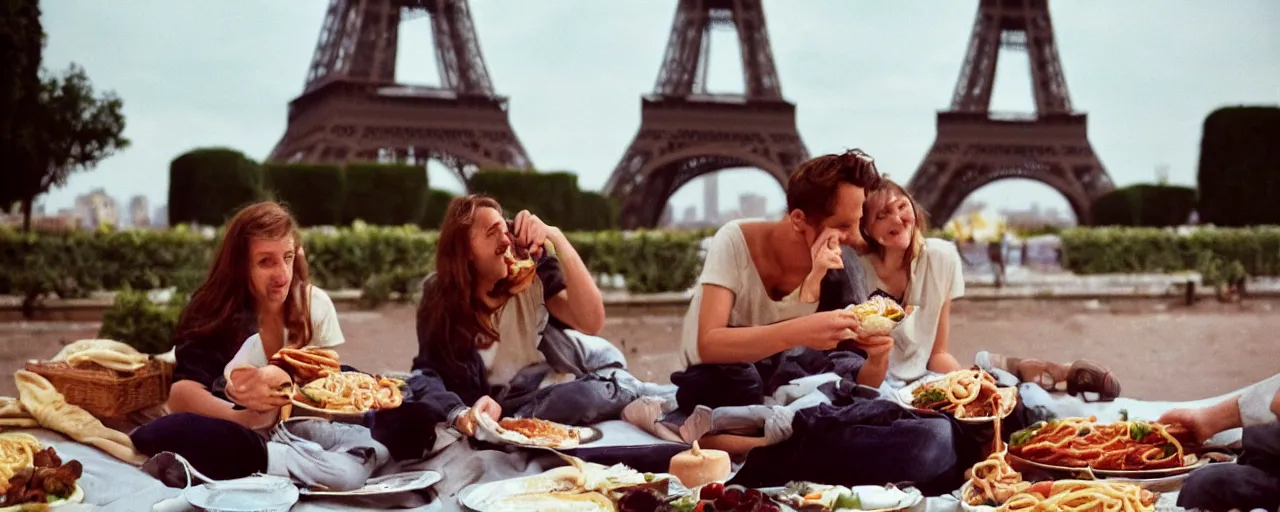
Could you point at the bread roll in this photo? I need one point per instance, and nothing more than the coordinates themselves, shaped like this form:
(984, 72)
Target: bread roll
(696, 467)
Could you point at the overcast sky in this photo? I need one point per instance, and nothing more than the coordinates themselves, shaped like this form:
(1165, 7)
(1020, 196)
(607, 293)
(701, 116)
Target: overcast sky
(864, 73)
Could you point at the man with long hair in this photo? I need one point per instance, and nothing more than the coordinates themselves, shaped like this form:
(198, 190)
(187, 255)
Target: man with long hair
(502, 341)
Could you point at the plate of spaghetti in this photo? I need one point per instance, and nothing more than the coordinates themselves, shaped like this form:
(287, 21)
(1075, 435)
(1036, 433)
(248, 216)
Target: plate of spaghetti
(993, 485)
(1122, 449)
(968, 395)
(346, 396)
(534, 433)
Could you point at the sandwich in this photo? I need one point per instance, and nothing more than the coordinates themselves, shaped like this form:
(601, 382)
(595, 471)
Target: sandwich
(877, 316)
(521, 270)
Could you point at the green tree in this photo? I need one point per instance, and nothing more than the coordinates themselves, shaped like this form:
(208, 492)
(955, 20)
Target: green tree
(72, 130)
(21, 45)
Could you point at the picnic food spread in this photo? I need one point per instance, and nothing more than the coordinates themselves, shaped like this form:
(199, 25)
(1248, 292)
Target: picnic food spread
(1083, 442)
(581, 486)
(350, 392)
(878, 316)
(32, 475)
(965, 394)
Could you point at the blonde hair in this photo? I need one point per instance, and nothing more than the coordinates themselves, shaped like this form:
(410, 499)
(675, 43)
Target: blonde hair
(887, 187)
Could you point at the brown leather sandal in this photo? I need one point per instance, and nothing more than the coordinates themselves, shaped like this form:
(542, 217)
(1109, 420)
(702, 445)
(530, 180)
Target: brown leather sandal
(1041, 373)
(1087, 377)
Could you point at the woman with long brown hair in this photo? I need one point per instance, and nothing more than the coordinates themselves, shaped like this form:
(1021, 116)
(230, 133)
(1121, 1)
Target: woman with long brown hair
(904, 266)
(528, 348)
(256, 300)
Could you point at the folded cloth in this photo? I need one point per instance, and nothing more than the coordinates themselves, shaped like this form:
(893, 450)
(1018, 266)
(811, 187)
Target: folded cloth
(52, 411)
(323, 455)
(14, 415)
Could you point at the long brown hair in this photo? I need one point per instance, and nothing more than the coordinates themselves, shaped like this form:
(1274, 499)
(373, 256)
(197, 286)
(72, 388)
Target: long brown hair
(888, 187)
(449, 310)
(226, 292)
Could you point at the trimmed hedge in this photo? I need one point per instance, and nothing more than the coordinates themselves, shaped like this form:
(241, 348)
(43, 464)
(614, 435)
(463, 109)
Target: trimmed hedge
(1239, 174)
(1141, 250)
(74, 263)
(208, 185)
(314, 193)
(385, 195)
(1145, 205)
(437, 205)
(552, 195)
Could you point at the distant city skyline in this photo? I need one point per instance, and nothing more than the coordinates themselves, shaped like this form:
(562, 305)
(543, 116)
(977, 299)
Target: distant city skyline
(863, 74)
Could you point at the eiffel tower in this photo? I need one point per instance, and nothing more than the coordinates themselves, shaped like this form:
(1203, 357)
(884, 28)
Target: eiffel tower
(352, 109)
(685, 132)
(975, 146)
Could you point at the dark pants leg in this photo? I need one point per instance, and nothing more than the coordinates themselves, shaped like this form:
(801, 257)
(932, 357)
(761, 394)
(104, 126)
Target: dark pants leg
(718, 385)
(866, 443)
(1253, 482)
(219, 449)
(589, 399)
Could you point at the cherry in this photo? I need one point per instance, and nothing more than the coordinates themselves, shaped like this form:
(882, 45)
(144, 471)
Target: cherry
(723, 503)
(755, 494)
(734, 494)
(769, 506)
(711, 491)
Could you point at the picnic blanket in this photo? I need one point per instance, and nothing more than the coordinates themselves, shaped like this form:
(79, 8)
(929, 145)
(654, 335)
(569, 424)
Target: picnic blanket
(111, 484)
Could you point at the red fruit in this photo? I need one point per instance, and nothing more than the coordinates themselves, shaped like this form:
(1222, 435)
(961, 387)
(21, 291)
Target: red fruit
(755, 494)
(711, 491)
(723, 503)
(770, 506)
(734, 494)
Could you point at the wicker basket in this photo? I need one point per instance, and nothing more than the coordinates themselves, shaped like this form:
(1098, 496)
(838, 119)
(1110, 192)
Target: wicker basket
(108, 393)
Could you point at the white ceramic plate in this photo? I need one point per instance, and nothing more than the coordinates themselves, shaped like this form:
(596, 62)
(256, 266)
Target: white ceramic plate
(904, 396)
(390, 484)
(77, 496)
(250, 494)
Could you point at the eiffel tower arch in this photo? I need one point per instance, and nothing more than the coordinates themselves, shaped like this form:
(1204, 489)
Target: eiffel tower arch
(352, 108)
(686, 132)
(975, 147)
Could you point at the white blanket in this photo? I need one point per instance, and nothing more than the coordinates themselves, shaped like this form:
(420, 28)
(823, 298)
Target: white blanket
(112, 485)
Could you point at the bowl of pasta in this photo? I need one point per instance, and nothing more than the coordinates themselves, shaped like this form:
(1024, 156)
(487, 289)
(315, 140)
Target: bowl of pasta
(347, 396)
(968, 395)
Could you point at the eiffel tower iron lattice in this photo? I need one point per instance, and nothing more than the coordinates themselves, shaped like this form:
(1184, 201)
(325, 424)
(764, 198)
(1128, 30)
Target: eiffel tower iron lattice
(686, 132)
(352, 108)
(975, 147)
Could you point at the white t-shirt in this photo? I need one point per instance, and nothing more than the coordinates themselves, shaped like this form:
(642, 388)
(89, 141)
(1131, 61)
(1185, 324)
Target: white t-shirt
(728, 264)
(325, 333)
(936, 277)
(519, 323)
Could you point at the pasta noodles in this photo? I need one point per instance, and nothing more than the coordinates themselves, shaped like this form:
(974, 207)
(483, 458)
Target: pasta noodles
(17, 451)
(966, 394)
(352, 392)
(1081, 442)
(1083, 496)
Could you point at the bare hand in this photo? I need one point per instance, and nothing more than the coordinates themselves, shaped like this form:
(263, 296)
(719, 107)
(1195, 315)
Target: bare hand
(466, 422)
(259, 389)
(826, 252)
(530, 232)
(874, 346)
(824, 331)
(1194, 420)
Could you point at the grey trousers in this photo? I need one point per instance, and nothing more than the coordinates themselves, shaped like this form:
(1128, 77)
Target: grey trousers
(1252, 483)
